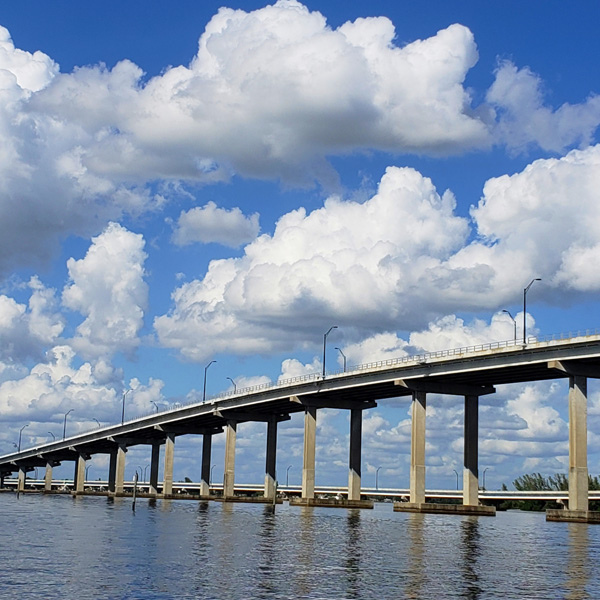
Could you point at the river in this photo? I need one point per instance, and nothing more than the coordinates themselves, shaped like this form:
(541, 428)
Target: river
(57, 546)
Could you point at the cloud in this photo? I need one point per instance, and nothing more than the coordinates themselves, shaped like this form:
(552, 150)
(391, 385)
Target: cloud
(524, 120)
(26, 330)
(212, 224)
(348, 263)
(107, 286)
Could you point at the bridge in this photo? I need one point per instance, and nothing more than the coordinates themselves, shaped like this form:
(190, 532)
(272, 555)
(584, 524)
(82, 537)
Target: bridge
(468, 372)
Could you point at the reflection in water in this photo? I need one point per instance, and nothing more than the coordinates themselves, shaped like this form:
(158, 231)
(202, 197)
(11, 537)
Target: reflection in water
(56, 548)
(353, 553)
(416, 553)
(578, 561)
(306, 543)
(266, 554)
(470, 551)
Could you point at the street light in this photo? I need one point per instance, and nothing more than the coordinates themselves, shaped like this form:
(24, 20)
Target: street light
(97, 422)
(234, 386)
(287, 476)
(514, 322)
(325, 345)
(146, 467)
(155, 405)
(210, 477)
(377, 478)
(525, 307)
(484, 477)
(204, 389)
(123, 411)
(343, 356)
(65, 423)
(456, 477)
(20, 432)
(53, 436)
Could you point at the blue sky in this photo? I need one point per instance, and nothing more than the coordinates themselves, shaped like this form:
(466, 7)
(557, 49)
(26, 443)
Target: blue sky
(183, 184)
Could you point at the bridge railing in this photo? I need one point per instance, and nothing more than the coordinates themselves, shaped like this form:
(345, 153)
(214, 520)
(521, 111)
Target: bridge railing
(375, 366)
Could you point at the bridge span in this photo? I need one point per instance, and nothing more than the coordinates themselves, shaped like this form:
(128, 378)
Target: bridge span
(468, 372)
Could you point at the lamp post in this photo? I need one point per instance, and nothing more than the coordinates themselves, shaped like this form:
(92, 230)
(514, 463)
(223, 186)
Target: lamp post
(87, 470)
(210, 477)
(20, 432)
(514, 323)
(123, 411)
(525, 308)
(97, 422)
(65, 422)
(343, 356)
(377, 478)
(483, 488)
(234, 385)
(456, 477)
(287, 476)
(155, 405)
(204, 388)
(53, 436)
(146, 467)
(325, 346)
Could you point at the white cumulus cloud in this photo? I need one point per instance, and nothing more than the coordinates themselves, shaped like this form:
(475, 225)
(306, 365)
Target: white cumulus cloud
(107, 286)
(210, 223)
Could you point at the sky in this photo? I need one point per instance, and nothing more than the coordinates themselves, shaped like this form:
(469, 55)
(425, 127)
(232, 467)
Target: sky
(189, 182)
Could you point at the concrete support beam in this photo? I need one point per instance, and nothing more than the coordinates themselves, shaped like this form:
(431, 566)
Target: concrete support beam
(471, 452)
(79, 475)
(21, 479)
(168, 466)
(48, 477)
(154, 461)
(310, 442)
(205, 473)
(355, 454)
(120, 470)
(578, 470)
(271, 460)
(229, 477)
(417, 448)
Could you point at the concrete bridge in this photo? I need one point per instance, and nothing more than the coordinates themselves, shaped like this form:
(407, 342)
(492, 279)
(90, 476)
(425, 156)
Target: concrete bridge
(468, 372)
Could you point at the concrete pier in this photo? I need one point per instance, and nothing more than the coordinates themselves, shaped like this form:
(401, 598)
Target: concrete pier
(471, 449)
(205, 469)
(229, 474)
(355, 459)
(168, 465)
(48, 477)
(417, 448)
(154, 463)
(271, 460)
(309, 454)
(578, 469)
(79, 474)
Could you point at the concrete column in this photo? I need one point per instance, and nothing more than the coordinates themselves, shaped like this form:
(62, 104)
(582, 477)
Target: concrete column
(229, 478)
(205, 474)
(154, 460)
(578, 470)
(271, 459)
(169, 460)
(112, 471)
(471, 458)
(79, 475)
(310, 442)
(48, 477)
(120, 470)
(21, 479)
(355, 454)
(417, 448)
